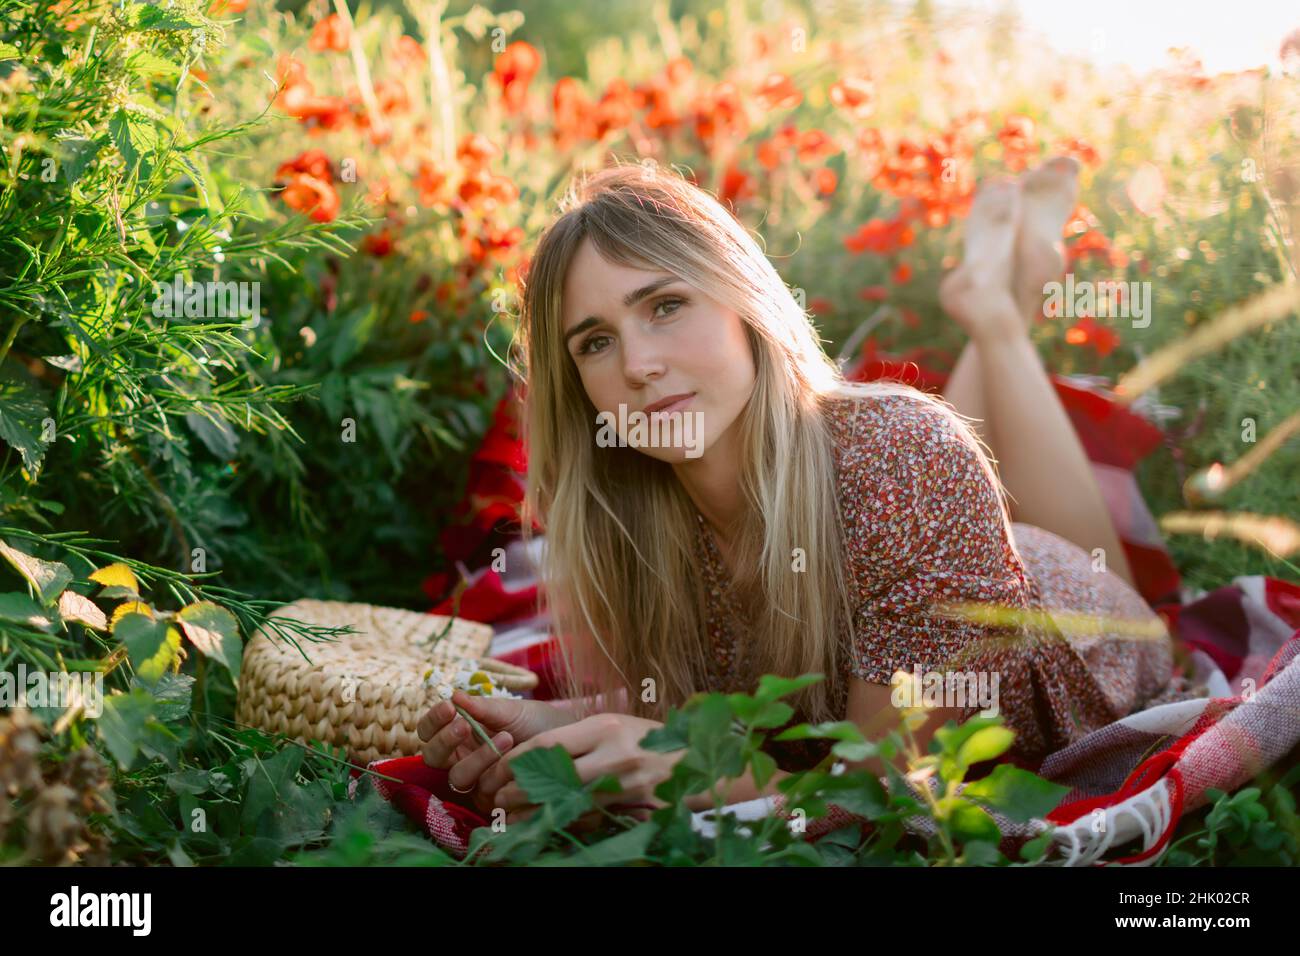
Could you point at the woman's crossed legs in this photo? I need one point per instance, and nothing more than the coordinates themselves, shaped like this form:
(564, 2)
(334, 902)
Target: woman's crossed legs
(1012, 248)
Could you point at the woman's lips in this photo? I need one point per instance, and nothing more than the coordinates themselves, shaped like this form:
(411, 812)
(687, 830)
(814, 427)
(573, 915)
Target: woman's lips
(675, 406)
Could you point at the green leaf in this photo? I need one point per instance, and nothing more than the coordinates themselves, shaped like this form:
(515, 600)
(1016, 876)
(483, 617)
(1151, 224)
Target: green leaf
(149, 64)
(771, 687)
(22, 416)
(1035, 848)
(76, 153)
(172, 695)
(854, 751)
(1015, 793)
(122, 725)
(49, 578)
(774, 714)
(859, 793)
(626, 847)
(136, 138)
(21, 609)
(214, 631)
(192, 782)
(153, 645)
(215, 433)
(969, 822)
(986, 744)
(267, 779)
(981, 853)
(763, 768)
(673, 735)
(952, 738)
(834, 730)
(10, 52)
(549, 777)
(146, 16)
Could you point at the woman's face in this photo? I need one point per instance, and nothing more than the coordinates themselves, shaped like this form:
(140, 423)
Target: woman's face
(637, 337)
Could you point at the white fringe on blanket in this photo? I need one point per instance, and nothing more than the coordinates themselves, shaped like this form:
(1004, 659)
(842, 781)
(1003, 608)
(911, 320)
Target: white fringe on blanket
(1085, 840)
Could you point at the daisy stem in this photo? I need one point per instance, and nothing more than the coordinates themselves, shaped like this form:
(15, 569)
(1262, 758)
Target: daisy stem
(474, 724)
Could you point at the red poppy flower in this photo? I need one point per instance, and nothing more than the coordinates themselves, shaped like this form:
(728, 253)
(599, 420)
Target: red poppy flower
(332, 33)
(313, 162)
(779, 92)
(307, 194)
(573, 113)
(825, 180)
(513, 70)
(378, 244)
(720, 114)
(855, 95)
(1102, 339)
(407, 51)
(736, 184)
(881, 237)
(475, 150)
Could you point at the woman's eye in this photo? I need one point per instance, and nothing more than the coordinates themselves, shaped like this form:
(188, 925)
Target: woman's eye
(586, 346)
(678, 303)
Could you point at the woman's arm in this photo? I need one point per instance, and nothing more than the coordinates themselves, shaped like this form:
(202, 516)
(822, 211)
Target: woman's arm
(595, 704)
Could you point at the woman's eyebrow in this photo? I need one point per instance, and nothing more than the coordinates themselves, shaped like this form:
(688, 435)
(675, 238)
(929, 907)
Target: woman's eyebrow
(629, 300)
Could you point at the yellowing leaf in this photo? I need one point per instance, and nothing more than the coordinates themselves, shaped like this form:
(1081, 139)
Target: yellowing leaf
(129, 607)
(214, 631)
(116, 574)
(153, 645)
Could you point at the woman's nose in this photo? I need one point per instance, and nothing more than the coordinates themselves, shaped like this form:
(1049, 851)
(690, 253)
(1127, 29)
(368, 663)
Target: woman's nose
(642, 359)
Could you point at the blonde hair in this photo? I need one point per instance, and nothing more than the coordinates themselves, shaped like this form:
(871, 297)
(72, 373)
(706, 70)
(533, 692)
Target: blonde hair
(620, 567)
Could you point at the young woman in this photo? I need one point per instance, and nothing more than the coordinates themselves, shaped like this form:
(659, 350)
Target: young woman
(815, 525)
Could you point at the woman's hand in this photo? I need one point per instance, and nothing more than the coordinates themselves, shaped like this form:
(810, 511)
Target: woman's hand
(450, 742)
(601, 744)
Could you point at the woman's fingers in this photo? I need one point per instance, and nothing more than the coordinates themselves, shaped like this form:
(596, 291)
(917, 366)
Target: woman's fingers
(434, 719)
(440, 747)
(466, 772)
(577, 738)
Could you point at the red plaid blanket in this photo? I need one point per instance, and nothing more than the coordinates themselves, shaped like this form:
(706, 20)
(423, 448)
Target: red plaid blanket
(1131, 779)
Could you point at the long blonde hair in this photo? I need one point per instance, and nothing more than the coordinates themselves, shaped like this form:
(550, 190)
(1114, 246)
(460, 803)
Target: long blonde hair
(620, 567)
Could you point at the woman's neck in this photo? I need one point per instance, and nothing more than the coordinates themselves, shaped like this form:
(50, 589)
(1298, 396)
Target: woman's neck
(713, 483)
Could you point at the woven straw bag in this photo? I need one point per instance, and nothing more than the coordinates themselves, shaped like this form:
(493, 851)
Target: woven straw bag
(363, 691)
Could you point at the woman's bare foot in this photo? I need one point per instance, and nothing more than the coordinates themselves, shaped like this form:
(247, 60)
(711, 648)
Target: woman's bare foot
(978, 293)
(1048, 196)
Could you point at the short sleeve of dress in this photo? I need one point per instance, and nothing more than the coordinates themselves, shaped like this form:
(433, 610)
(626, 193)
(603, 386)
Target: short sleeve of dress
(925, 528)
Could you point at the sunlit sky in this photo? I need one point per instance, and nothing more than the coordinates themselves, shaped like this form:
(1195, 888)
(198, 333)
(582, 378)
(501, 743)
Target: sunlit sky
(1227, 34)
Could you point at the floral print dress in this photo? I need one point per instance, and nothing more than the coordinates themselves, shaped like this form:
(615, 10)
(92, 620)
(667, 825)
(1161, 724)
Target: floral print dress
(1075, 648)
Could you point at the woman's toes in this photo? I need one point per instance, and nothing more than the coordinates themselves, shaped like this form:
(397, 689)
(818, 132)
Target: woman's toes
(1048, 196)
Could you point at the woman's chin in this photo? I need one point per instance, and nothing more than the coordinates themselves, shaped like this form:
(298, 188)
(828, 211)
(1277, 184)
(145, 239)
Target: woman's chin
(675, 455)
